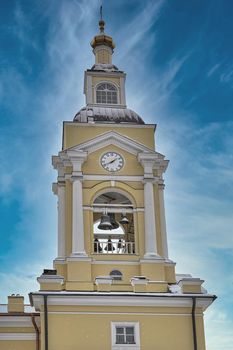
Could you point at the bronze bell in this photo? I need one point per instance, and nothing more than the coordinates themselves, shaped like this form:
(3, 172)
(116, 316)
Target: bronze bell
(113, 221)
(124, 220)
(105, 223)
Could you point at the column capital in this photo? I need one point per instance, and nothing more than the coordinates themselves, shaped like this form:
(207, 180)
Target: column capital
(161, 184)
(76, 176)
(147, 160)
(77, 158)
(61, 183)
(153, 180)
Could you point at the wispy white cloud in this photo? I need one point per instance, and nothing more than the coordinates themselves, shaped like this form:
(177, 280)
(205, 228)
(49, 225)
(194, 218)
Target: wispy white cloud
(227, 76)
(213, 69)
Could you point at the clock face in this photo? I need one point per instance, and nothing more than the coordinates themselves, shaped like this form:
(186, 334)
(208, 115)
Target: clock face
(112, 161)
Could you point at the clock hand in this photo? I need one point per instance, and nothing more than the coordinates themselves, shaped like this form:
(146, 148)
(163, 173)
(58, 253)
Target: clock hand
(113, 160)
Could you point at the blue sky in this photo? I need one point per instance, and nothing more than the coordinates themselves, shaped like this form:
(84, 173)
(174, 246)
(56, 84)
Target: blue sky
(178, 56)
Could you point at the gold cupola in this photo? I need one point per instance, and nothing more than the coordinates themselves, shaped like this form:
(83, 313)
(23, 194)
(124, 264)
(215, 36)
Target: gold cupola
(103, 46)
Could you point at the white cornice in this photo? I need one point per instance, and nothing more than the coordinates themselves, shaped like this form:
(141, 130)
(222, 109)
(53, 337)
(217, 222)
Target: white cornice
(113, 125)
(15, 321)
(149, 300)
(113, 178)
(17, 336)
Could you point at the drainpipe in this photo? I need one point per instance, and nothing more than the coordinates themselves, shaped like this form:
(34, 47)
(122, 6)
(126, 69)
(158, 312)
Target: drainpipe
(46, 322)
(194, 324)
(37, 332)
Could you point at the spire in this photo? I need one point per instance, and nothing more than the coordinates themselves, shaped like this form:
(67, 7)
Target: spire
(101, 21)
(102, 44)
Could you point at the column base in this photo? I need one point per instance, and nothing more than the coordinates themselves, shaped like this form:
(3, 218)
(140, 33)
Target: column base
(79, 256)
(152, 256)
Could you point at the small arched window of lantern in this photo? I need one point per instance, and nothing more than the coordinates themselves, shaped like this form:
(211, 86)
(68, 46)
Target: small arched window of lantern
(106, 93)
(116, 275)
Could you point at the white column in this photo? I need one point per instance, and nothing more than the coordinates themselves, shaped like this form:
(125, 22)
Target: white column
(78, 248)
(163, 220)
(61, 220)
(150, 220)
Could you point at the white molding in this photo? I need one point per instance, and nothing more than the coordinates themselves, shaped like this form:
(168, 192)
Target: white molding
(110, 83)
(114, 262)
(15, 321)
(17, 336)
(122, 313)
(105, 74)
(103, 280)
(159, 300)
(150, 221)
(78, 248)
(61, 239)
(163, 222)
(156, 260)
(132, 178)
(56, 279)
(113, 125)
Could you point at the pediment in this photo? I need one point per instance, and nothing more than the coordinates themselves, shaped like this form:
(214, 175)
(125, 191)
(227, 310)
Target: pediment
(112, 138)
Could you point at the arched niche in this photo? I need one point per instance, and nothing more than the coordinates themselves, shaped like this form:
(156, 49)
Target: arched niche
(113, 223)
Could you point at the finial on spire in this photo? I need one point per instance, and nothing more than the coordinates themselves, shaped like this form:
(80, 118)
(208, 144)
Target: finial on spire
(101, 21)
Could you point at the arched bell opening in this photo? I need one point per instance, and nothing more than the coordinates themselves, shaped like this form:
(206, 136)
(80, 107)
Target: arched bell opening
(113, 224)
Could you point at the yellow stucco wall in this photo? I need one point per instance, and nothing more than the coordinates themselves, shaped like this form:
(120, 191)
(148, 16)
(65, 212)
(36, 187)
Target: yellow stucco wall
(76, 133)
(93, 331)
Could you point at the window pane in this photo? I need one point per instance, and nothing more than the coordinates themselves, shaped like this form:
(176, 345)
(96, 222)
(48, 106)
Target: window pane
(106, 93)
(130, 339)
(129, 330)
(120, 339)
(119, 330)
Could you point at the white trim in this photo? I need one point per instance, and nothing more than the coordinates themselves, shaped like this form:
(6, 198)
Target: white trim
(105, 74)
(122, 313)
(17, 336)
(15, 321)
(61, 248)
(135, 346)
(99, 104)
(150, 221)
(123, 300)
(163, 221)
(113, 209)
(114, 262)
(113, 125)
(155, 260)
(78, 248)
(113, 178)
(50, 279)
(122, 91)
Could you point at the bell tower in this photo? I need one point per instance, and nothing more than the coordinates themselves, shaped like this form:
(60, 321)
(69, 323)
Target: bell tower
(110, 188)
(113, 280)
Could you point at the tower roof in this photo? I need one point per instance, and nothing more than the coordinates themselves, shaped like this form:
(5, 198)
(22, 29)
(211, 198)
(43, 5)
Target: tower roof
(107, 115)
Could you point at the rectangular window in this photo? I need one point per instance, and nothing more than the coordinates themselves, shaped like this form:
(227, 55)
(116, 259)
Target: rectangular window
(125, 335)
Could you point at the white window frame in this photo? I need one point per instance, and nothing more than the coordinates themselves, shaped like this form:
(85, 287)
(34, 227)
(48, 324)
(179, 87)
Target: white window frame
(135, 346)
(110, 83)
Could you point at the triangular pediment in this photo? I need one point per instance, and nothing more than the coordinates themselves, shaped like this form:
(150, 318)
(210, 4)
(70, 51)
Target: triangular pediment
(112, 138)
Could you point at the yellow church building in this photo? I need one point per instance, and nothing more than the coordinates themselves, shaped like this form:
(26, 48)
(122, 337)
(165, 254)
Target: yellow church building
(113, 286)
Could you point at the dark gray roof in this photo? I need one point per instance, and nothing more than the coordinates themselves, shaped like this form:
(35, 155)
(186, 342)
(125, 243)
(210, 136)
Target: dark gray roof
(107, 115)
